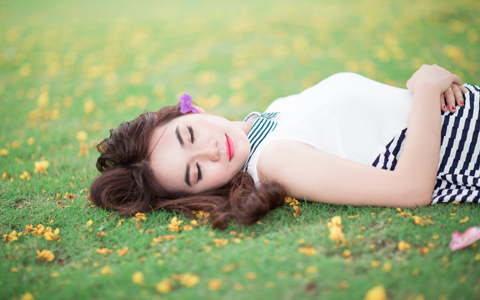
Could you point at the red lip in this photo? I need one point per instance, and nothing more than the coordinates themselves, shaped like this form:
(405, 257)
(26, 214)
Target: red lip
(230, 149)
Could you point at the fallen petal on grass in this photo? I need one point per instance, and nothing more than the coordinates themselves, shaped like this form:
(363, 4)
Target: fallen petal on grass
(214, 284)
(164, 286)
(106, 270)
(251, 276)
(376, 293)
(309, 250)
(104, 251)
(137, 278)
(27, 296)
(45, 255)
(11, 237)
(402, 246)
(189, 280)
(122, 252)
(460, 241)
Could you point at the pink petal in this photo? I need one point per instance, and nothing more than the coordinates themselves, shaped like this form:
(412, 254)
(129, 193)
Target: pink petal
(460, 241)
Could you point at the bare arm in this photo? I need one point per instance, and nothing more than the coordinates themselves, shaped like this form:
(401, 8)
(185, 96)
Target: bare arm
(307, 172)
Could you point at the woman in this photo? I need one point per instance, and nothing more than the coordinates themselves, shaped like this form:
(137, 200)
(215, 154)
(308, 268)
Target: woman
(319, 145)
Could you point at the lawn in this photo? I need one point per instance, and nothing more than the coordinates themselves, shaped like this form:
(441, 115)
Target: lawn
(72, 70)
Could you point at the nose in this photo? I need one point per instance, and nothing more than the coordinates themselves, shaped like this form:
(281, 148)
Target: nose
(210, 151)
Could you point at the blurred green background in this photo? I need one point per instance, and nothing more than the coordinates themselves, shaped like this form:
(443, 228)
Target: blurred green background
(231, 56)
(72, 70)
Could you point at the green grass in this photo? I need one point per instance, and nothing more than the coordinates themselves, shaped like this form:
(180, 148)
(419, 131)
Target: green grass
(57, 58)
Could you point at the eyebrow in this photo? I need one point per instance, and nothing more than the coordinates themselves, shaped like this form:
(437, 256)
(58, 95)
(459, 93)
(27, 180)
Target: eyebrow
(179, 137)
(187, 176)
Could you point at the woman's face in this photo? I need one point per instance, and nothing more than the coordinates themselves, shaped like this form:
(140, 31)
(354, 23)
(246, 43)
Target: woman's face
(198, 152)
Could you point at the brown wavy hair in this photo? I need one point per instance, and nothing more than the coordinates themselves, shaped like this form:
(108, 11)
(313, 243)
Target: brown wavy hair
(126, 182)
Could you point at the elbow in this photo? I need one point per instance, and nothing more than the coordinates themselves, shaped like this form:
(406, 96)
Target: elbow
(421, 197)
(417, 192)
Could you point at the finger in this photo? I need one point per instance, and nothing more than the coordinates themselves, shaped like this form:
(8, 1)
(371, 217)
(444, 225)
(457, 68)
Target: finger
(450, 100)
(457, 94)
(443, 105)
(463, 89)
(456, 80)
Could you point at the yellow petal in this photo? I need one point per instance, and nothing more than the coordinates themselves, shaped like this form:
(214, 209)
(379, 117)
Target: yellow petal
(41, 166)
(376, 293)
(343, 285)
(45, 255)
(82, 136)
(106, 270)
(336, 221)
(189, 280)
(309, 250)
(104, 251)
(26, 296)
(423, 250)
(238, 287)
(54, 274)
(214, 284)
(375, 263)
(336, 234)
(311, 270)
(164, 286)
(387, 267)
(122, 252)
(137, 278)
(402, 245)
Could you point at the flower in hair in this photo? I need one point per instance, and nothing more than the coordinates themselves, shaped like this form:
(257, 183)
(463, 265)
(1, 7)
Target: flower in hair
(186, 104)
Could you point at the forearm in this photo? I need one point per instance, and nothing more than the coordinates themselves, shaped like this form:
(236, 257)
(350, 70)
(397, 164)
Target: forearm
(418, 162)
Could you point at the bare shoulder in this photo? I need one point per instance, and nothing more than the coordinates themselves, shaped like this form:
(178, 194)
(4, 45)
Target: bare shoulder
(283, 159)
(276, 157)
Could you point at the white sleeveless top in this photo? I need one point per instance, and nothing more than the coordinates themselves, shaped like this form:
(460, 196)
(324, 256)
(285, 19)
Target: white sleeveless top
(346, 115)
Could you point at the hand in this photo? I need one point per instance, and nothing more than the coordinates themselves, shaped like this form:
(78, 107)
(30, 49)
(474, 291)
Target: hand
(438, 78)
(453, 97)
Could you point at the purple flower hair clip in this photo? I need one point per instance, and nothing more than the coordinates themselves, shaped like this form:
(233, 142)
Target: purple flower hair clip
(186, 104)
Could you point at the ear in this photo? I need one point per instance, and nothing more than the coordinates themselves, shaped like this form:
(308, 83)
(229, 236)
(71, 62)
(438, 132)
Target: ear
(200, 110)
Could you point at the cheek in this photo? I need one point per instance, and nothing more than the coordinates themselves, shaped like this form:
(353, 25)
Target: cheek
(244, 149)
(219, 176)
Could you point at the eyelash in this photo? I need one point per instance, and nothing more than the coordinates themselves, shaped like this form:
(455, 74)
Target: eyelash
(193, 139)
(191, 133)
(199, 173)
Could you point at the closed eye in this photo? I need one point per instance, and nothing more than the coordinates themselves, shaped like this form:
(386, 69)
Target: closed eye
(199, 173)
(191, 133)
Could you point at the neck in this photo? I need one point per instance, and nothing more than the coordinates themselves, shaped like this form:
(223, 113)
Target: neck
(244, 126)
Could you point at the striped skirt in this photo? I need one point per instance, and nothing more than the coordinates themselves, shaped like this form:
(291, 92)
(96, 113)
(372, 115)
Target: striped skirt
(458, 176)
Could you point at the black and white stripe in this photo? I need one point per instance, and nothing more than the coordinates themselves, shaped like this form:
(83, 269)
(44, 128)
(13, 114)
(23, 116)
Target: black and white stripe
(458, 176)
(260, 129)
